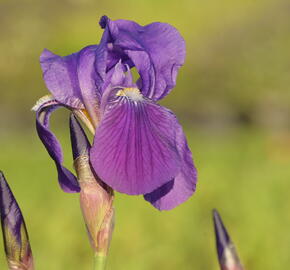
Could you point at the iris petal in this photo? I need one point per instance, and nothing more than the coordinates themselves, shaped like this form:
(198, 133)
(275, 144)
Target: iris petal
(76, 80)
(90, 81)
(66, 179)
(182, 186)
(114, 80)
(60, 76)
(134, 149)
(157, 50)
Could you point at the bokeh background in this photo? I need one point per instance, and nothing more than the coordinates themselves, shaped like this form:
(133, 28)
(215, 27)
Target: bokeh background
(232, 97)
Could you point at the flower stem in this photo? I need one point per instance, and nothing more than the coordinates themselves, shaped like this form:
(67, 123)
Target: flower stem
(100, 262)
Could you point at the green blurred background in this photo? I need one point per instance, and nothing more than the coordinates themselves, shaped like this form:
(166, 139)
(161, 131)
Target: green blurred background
(232, 97)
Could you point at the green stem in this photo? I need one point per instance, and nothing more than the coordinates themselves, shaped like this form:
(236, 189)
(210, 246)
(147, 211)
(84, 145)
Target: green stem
(100, 262)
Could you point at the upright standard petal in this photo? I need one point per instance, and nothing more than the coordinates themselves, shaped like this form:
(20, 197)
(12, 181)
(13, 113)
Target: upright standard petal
(157, 50)
(60, 76)
(182, 187)
(89, 89)
(134, 149)
(76, 80)
(15, 236)
(66, 179)
(120, 76)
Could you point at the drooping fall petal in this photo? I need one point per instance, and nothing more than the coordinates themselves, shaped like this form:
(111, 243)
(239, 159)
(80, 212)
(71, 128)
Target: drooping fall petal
(66, 179)
(134, 148)
(179, 189)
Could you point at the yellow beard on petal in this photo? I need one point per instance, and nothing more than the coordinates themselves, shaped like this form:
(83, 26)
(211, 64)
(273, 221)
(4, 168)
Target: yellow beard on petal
(132, 93)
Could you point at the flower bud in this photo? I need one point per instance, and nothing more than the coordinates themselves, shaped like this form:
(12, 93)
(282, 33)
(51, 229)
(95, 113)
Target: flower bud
(227, 255)
(15, 236)
(96, 198)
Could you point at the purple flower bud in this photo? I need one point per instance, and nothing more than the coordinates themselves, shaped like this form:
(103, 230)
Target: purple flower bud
(15, 236)
(96, 198)
(79, 141)
(227, 255)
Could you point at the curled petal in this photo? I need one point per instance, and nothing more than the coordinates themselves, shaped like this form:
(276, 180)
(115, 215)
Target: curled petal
(66, 179)
(134, 149)
(157, 50)
(181, 187)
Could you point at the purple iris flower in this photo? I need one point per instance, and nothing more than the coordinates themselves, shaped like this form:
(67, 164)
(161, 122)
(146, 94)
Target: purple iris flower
(139, 147)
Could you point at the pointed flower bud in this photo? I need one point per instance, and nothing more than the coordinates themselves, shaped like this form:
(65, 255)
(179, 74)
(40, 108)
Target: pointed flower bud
(96, 198)
(15, 237)
(79, 141)
(227, 255)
